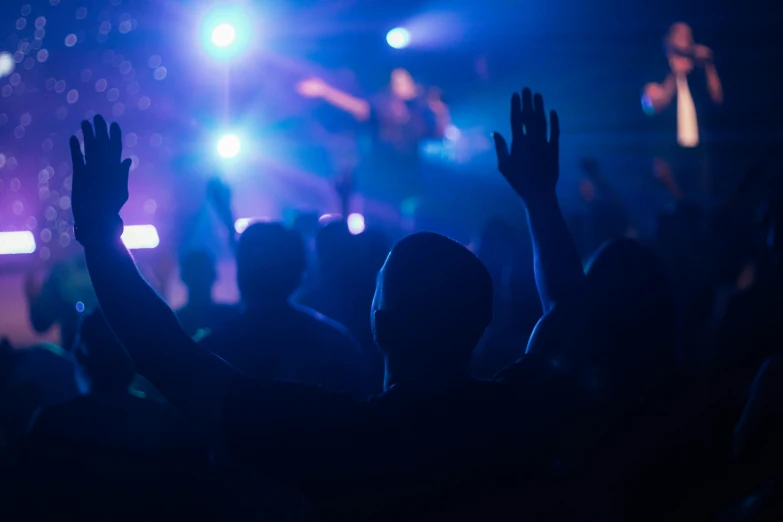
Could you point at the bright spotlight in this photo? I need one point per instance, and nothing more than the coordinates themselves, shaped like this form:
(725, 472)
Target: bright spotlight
(398, 38)
(228, 146)
(356, 224)
(226, 32)
(223, 35)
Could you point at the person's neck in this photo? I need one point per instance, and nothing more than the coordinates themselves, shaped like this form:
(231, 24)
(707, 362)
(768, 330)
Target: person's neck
(430, 377)
(199, 297)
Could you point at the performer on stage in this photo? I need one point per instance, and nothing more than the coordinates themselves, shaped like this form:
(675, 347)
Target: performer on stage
(400, 117)
(686, 84)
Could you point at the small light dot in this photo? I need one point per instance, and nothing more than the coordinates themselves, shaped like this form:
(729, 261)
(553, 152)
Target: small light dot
(113, 94)
(46, 235)
(81, 13)
(39, 34)
(67, 182)
(156, 140)
(144, 103)
(79, 306)
(43, 193)
(14, 79)
(43, 176)
(134, 162)
(118, 109)
(62, 226)
(24, 46)
(44, 253)
(47, 145)
(37, 44)
(86, 75)
(17, 207)
(21, 23)
(43, 55)
(65, 239)
(125, 67)
(72, 96)
(160, 73)
(2, 161)
(50, 84)
(18, 56)
(70, 40)
(15, 184)
(65, 202)
(101, 85)
(25, 119)
(105, 27)
(29, 63)
(125, 27)
(31, 223)
(155, 61)
(6, 91)
(19, 131)
(131, 139)
(40, 22)
(59, 86)
(150, 206)
(26, 9)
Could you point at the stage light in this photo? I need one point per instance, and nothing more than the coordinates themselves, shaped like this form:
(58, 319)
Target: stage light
(21, 242)
(356, 224)
(140, 236)
(223, 35)
(229, 146)
(241, 224)
(226, 32)
(398, 38)
(6, 64)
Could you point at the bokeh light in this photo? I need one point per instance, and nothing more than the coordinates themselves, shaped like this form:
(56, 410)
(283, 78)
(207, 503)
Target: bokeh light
(228, 146)
(356, 224)
(398, 38)
(140, 236)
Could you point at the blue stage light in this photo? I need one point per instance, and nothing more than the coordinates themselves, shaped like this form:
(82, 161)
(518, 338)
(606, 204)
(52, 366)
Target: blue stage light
(398, 38)
(226, 32)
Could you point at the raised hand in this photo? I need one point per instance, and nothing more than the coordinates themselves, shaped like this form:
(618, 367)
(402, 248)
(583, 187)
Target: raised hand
(311, 88)
(100, 178)
(532, 166)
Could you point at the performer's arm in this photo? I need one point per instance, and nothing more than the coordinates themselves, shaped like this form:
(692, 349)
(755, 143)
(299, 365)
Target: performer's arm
(317, 88)
(713, 83)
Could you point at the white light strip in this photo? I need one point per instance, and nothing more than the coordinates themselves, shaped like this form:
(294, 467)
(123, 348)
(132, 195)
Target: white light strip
(21, 242)
(140, 236)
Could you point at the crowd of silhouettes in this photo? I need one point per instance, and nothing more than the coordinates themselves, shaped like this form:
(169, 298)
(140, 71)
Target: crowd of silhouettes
(557, 373)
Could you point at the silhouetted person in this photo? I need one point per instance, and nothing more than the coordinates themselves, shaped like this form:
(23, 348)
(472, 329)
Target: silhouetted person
(425, 447)
(275, 339)
(198, 272)
(108, 453)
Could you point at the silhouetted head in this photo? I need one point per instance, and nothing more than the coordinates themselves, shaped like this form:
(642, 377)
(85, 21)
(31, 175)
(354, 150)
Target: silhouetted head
(271, 261)
(198, 272)
(402, 84)
(103, 364)
(432, 303)
(631, 311)
(680, 36)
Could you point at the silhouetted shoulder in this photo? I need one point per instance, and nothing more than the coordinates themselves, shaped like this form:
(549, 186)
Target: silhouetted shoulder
(328, 329)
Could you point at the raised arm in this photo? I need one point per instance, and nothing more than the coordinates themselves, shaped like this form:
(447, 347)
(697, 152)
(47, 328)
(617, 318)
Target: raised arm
(532, 169)
(317, 88)
(193, 380)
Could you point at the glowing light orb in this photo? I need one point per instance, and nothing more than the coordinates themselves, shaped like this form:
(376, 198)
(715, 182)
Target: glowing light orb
(229, 146)
(223, 35)
(356, 224)
(398, 38)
